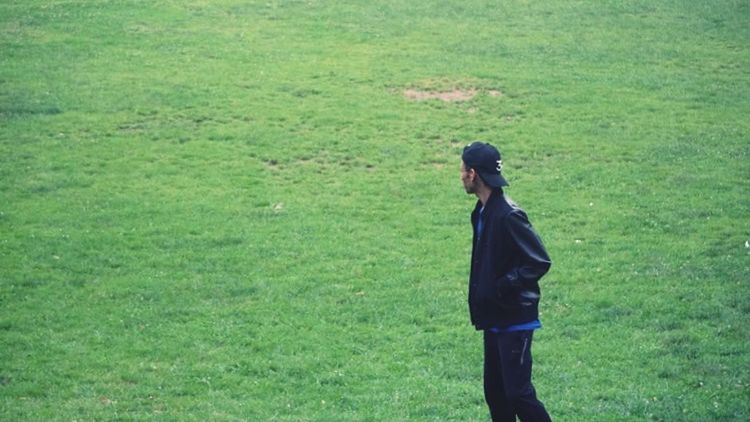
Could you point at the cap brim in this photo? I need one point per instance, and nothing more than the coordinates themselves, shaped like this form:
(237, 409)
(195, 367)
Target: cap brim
(493, 180)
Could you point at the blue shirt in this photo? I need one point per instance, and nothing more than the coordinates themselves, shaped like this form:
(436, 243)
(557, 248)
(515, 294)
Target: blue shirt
(533, 325)
(480, 223)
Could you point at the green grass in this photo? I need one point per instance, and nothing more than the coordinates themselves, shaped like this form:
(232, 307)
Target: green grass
(228, 210)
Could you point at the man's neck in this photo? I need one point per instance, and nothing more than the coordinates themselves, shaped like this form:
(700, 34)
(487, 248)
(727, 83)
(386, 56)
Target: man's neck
(484, 193)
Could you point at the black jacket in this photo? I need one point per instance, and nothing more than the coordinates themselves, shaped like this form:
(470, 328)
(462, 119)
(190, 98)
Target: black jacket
(507, 261)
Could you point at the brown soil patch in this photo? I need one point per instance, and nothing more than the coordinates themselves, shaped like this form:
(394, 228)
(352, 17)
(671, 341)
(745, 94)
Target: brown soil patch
(448, 96)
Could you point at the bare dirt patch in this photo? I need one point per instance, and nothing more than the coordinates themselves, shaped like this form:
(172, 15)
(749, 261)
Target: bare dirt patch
(448, 96)
(454, 95)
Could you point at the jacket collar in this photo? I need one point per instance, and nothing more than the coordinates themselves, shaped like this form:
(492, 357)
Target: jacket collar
(495, 196)
(492, 203)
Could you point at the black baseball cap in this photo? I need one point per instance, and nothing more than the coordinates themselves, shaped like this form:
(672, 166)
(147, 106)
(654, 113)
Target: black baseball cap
(485, 159)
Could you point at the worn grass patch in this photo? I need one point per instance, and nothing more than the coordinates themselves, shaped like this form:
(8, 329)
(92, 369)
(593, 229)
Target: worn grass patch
(448, 96)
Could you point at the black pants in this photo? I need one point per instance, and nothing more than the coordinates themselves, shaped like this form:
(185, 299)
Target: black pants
(507, 378)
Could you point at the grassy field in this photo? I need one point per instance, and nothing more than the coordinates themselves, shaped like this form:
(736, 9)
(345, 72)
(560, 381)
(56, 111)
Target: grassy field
(231, 210)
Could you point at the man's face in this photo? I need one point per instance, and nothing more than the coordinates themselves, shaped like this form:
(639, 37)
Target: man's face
(469, 178)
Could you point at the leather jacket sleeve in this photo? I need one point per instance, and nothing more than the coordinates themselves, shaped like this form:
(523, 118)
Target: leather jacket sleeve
(533, 261)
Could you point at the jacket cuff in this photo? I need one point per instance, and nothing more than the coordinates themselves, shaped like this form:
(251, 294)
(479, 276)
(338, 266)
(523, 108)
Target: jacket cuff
(508, 283)
(512, 279)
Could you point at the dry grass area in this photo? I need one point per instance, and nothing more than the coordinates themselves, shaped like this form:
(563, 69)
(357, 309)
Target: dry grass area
(454, 95)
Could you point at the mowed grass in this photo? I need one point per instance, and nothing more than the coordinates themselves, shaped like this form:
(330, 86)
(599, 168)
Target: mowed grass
(228, 210)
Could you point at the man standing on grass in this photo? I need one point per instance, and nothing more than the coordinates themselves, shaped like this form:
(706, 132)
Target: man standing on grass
(507, 261)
